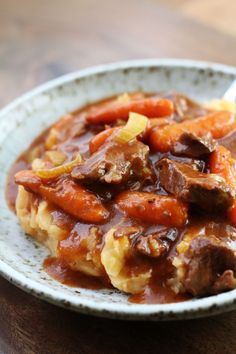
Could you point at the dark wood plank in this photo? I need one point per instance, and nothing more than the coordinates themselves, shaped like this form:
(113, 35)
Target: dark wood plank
(33, 326)
(40, 40)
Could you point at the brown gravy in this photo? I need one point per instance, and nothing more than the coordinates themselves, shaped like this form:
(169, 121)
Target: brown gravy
(59, 271)
(157, 290)
(156, 293)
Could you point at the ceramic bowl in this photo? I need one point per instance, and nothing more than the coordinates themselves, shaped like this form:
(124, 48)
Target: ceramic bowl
(21, 121)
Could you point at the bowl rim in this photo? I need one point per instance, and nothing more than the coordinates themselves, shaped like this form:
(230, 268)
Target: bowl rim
(187, 309)
(127, 64)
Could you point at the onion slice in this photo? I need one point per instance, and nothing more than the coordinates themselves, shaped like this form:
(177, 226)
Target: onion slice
(136, 124)
(59, 170)
(222, 105)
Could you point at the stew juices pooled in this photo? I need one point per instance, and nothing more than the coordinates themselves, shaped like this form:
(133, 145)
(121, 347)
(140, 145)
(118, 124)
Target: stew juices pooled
(136, 192)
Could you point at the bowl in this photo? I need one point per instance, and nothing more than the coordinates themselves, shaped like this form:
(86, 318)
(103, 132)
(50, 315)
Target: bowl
(21, 121)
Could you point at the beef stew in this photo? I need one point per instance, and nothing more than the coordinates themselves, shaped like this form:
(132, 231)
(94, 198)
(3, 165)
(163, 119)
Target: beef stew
(135, 192)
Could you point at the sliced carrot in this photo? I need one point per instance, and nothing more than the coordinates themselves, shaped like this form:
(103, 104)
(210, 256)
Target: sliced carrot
(218, 124)
(67, 195)
(159, 122)
(222, 163)
(155, 123)
(149, 207)
(98, 140)
(150, 107)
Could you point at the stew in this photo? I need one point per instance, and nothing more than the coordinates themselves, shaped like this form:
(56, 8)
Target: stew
(135, 192)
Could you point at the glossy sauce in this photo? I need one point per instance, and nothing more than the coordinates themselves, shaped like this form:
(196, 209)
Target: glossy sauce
(59, 271)
(158, 293)
(157, 290)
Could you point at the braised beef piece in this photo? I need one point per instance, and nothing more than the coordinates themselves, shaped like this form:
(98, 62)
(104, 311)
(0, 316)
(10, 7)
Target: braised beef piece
(185, 108)
(209, 191)
(116, 163)
(131, 231)
(191, 145)
(196, 164)
(208, 263)
(158, 243)
(229, 141)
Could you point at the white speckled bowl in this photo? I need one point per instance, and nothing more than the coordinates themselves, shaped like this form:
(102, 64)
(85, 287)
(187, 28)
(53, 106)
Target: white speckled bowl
(20, 122)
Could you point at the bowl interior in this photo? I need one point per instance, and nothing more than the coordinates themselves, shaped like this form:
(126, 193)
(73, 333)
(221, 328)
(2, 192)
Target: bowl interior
(20, 257)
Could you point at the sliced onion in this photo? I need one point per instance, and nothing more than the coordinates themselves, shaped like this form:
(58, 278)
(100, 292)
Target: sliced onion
(59, 170)
(123, 99)
(56, 157)
(51, 139)
(38, 164)
(136, 124)
(222, 105)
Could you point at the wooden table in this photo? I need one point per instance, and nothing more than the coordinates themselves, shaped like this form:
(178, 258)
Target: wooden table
(40, 40)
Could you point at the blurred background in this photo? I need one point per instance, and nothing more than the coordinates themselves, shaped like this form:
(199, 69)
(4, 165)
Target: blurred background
(43, 39)
(218, 14)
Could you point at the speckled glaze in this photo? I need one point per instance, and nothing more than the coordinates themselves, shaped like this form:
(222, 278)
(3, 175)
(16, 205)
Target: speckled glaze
(20, 122)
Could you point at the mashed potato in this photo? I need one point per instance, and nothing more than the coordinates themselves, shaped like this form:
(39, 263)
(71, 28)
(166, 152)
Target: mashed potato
(36, 220)
(114, 254)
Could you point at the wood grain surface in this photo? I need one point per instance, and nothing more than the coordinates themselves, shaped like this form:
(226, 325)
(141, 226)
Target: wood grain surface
(30, 326)
(40, 40)
(219, 14)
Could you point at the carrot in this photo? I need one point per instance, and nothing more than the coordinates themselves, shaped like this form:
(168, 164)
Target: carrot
(222, 163)
(155, 123)
(218, 124)
(150, 107)
(159, 122)
(153, 208)
(98, 140)
(67, 195)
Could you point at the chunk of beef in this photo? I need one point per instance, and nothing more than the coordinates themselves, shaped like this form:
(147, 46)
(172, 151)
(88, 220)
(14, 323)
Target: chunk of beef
(184, 107)
(209, 191)
(191, 145)
(158, 243)
(116, 163)
(206, 260)
(131, 231)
